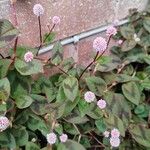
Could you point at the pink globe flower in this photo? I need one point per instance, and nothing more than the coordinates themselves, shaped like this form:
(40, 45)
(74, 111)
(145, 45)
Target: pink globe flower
(63, 138)
(89, 96)
(106, 134)
(101, 104)
(4, 123)
(51, 138)
(116, 22)
(28, 57)
(114, 142)
(119, 42)
(100, 44)
(38, 10)
(115, 133)
(56, 20)
(111, 31)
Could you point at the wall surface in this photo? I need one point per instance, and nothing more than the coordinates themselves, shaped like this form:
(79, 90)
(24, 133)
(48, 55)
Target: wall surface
(76, 16)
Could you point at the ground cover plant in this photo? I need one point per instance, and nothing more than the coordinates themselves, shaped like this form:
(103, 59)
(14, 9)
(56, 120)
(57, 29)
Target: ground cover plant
(105, 105)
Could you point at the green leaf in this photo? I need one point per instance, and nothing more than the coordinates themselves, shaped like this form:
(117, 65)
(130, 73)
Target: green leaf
(117, 105)
(131, 92)
(32, 146)
(36, 123)
(39, 104)
(141, 135)
(115, 122)
(4, 89)
(21, 135)
(57, 54)
(112, 64)
(128, 45)
(48, 38)
(122, 78)
(101, 126)
(146, 23)
(7, 140)
(3, 108)
(70, 145)
(75, 119)
(7, 32)
(68, 64)
(70, 87)
(4, 67)
(96, 85)
(23, 101)
(29, 68)
(145, 41)
(127, 31)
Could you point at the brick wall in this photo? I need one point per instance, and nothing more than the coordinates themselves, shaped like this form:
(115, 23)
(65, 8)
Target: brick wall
(76, 16)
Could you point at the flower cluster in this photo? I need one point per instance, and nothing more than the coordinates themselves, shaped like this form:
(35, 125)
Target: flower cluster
(4, 123)
(111, 31)
(100, 44)
(90, 97)
(28, 57)
(114, 137)
(38, 10)
(136, 38)
(52, 138)
(56, 20)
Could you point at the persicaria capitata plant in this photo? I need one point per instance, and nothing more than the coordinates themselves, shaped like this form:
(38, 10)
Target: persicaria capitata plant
(104, 105)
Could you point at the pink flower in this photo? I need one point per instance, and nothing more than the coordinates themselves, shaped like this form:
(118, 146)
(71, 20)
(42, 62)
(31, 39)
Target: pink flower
(28, 56)
(100, 44)
(114, 142)
(38, 10)
(56, 20)
(51, 138)
(116, 22)
(111, 31)
(63, 138)
(89, 96)
(115, 133)
(119, 42)
(101, 104)
(106, 134)
(4, 123)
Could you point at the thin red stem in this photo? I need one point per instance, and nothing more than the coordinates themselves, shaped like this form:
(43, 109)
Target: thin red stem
(50, 31)
(95, 58)
(40, 34)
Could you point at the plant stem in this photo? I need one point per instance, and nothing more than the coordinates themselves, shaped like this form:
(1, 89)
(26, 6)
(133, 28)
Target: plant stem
(95, 58)
(88, 66)
(50, 31)
(40, 34)
(97, 140)
(2, 56)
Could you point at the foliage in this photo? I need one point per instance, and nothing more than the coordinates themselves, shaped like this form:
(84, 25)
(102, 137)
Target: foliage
(37, 105)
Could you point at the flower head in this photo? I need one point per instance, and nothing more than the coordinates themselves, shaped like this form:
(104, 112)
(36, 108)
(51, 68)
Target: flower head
(116, 22)
(114, 142)
(115, 133)
(136, 38)
(111, 31)
(119, 42)
(100, 44)
(56, 20)
(89, 96)
(28, 56)
(38, 10)
(106, 134)
(101, 104)
(63, 138)
(4, 123)
(51, 138)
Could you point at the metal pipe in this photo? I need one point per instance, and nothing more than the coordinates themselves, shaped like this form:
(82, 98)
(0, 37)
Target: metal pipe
(77, 37)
